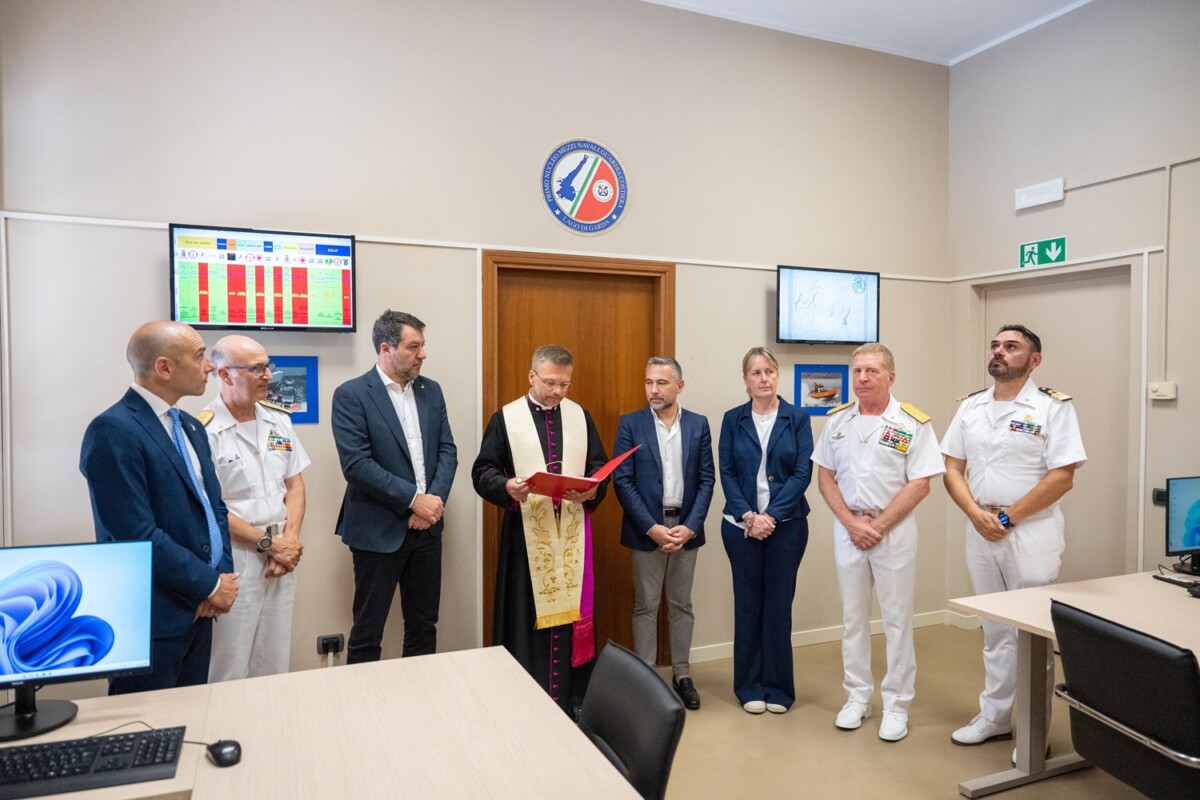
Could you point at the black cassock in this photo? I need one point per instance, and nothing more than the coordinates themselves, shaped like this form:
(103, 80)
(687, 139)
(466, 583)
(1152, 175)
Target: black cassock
(545, 653)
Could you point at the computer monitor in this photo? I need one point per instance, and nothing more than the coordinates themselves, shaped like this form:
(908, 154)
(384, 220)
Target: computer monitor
(69, 612)
(1183, 523)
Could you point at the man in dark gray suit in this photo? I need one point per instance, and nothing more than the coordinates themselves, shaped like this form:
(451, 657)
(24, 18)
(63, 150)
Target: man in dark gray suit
(665, 489)
(398, 458)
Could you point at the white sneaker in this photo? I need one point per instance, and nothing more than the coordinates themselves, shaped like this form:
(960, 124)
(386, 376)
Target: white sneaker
(852, 715)
(775, 708)
(980, 730)
(894, 726)
(755, 706)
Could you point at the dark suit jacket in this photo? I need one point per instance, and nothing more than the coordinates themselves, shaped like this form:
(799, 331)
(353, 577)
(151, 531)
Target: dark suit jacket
(639, 478)
(380, 482)
(140, 490)
(789, 462)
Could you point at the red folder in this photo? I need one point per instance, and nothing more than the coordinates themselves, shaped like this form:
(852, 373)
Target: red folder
(558, 485)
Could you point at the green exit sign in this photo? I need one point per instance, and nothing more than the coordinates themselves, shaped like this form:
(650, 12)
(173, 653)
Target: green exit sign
(1047, 251)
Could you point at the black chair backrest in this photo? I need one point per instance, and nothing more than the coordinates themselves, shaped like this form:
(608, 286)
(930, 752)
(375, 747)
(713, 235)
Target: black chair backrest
(1143, 682)
(634, 718)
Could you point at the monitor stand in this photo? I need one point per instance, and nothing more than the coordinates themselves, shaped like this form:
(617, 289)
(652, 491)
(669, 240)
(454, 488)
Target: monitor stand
(1188, 565)
(25, 717)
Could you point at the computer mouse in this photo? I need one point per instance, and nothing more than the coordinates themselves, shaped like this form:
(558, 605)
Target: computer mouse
(225, 753)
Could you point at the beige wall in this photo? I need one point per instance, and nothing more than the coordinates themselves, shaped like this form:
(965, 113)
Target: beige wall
(1107, 98)
(430, 121)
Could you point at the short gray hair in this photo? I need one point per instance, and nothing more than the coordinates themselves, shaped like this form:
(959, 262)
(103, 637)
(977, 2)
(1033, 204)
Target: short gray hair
(557, 355)
(875, 349)
(666, 361)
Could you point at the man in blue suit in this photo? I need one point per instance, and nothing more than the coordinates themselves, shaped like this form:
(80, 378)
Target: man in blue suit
(398, 458)
(150, 476)
(665, 489)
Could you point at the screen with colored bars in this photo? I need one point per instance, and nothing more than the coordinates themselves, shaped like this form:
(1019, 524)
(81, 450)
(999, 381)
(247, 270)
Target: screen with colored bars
(261, 280)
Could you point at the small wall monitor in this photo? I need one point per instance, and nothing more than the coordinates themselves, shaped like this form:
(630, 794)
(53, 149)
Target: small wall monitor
(827, 306)
(69, 613)
(241, 278)
(1183, 523)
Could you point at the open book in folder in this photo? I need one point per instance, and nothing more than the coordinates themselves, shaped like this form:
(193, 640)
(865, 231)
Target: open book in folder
(557, 485)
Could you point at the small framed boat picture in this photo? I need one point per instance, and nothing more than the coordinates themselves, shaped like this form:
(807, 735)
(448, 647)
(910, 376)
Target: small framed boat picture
(820, 387)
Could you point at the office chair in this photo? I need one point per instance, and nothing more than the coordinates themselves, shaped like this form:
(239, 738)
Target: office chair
(1135, 703)
(634, 718)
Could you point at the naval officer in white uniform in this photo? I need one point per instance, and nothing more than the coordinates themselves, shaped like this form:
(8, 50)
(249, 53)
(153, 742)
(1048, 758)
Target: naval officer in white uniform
(875, 458)
(1011, 454)
(259, 461)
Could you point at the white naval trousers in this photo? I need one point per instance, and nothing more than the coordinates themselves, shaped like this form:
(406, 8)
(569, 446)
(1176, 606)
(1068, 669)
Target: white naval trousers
(1030, 555)
(889, 567)
(255, 637)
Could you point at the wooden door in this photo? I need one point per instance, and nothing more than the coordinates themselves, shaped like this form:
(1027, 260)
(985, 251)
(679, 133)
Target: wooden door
(612, 315)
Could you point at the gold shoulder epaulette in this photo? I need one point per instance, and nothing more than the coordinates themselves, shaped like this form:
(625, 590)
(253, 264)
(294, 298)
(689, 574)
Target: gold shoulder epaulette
(842, 407)
(1055, 393)
(274, 406)
(205, 416)
(914, 412)
(972, 394)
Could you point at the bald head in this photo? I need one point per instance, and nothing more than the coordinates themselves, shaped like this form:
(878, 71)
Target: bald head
(237, 350)
(168, 359)
(155, 339)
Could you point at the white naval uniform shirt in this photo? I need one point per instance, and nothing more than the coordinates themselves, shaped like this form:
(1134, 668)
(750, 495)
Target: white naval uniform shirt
(874, 457)
(1009, 447)
(253, 467)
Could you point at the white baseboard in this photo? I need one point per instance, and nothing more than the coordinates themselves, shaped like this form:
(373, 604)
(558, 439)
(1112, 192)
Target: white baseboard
(715, 652)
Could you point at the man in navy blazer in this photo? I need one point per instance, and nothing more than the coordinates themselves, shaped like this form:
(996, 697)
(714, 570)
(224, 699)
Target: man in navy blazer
(398, 458)
(665, 489)
(142, 489)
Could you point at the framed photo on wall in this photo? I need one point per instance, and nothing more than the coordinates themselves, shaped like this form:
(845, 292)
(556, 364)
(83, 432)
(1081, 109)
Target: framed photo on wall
(294, 385)
(820, 387)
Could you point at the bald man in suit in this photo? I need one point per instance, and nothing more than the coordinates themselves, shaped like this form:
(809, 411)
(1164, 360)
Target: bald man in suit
(150, 476)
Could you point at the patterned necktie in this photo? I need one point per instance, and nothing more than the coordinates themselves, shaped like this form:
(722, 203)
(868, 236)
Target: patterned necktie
(214, 532)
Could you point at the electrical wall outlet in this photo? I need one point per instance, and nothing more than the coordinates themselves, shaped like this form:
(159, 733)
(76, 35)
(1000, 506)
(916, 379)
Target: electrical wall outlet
(1163, 390)
(330, 643)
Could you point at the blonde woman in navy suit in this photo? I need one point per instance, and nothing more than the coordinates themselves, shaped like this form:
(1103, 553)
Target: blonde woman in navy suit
(765, 455)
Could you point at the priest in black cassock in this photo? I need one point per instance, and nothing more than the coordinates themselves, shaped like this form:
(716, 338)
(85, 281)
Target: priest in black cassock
(544, 580)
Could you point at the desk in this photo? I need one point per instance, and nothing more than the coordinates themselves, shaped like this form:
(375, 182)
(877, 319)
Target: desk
(465, 724)
(1136, 601)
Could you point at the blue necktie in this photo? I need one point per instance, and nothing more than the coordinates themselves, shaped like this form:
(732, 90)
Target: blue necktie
(214, 533)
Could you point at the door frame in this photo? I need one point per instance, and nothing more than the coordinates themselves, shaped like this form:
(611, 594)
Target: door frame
(493, 263)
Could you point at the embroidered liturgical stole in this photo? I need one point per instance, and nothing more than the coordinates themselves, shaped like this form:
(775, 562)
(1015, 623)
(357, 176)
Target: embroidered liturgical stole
(555, 545)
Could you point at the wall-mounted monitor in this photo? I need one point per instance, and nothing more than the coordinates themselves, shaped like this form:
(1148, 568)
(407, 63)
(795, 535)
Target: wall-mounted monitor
(827, 306)
(242, 278)
(1183, 523)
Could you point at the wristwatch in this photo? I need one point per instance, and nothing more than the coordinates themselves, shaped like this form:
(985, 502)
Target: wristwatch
(264, 544)
(1006, 522)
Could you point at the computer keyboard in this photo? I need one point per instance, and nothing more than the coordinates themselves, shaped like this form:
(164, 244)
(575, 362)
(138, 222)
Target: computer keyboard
(77, 764)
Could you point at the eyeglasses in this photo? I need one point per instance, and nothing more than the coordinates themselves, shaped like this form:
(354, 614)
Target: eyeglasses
(257, 370)
(552, 385)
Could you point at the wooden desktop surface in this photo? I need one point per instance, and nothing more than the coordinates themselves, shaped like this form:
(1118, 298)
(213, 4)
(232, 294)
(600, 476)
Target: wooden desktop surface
(464, 724)
(1137, 601)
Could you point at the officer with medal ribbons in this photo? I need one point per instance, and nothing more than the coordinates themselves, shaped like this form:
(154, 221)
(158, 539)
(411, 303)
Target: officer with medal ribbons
(1011, 454)
(875, 458)
(259, 461)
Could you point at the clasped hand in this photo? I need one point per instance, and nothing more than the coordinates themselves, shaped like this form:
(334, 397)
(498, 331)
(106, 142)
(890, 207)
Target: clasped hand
(426, 509)
(760, 527)
(670, 539)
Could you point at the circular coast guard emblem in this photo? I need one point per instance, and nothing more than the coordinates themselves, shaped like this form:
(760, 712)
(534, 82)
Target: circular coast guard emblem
(583, 185)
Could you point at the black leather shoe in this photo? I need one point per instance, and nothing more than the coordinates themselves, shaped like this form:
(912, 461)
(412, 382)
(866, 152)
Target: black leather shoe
(687, 692)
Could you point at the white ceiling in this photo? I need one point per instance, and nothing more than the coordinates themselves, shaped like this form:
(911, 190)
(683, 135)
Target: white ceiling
(940, 31)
